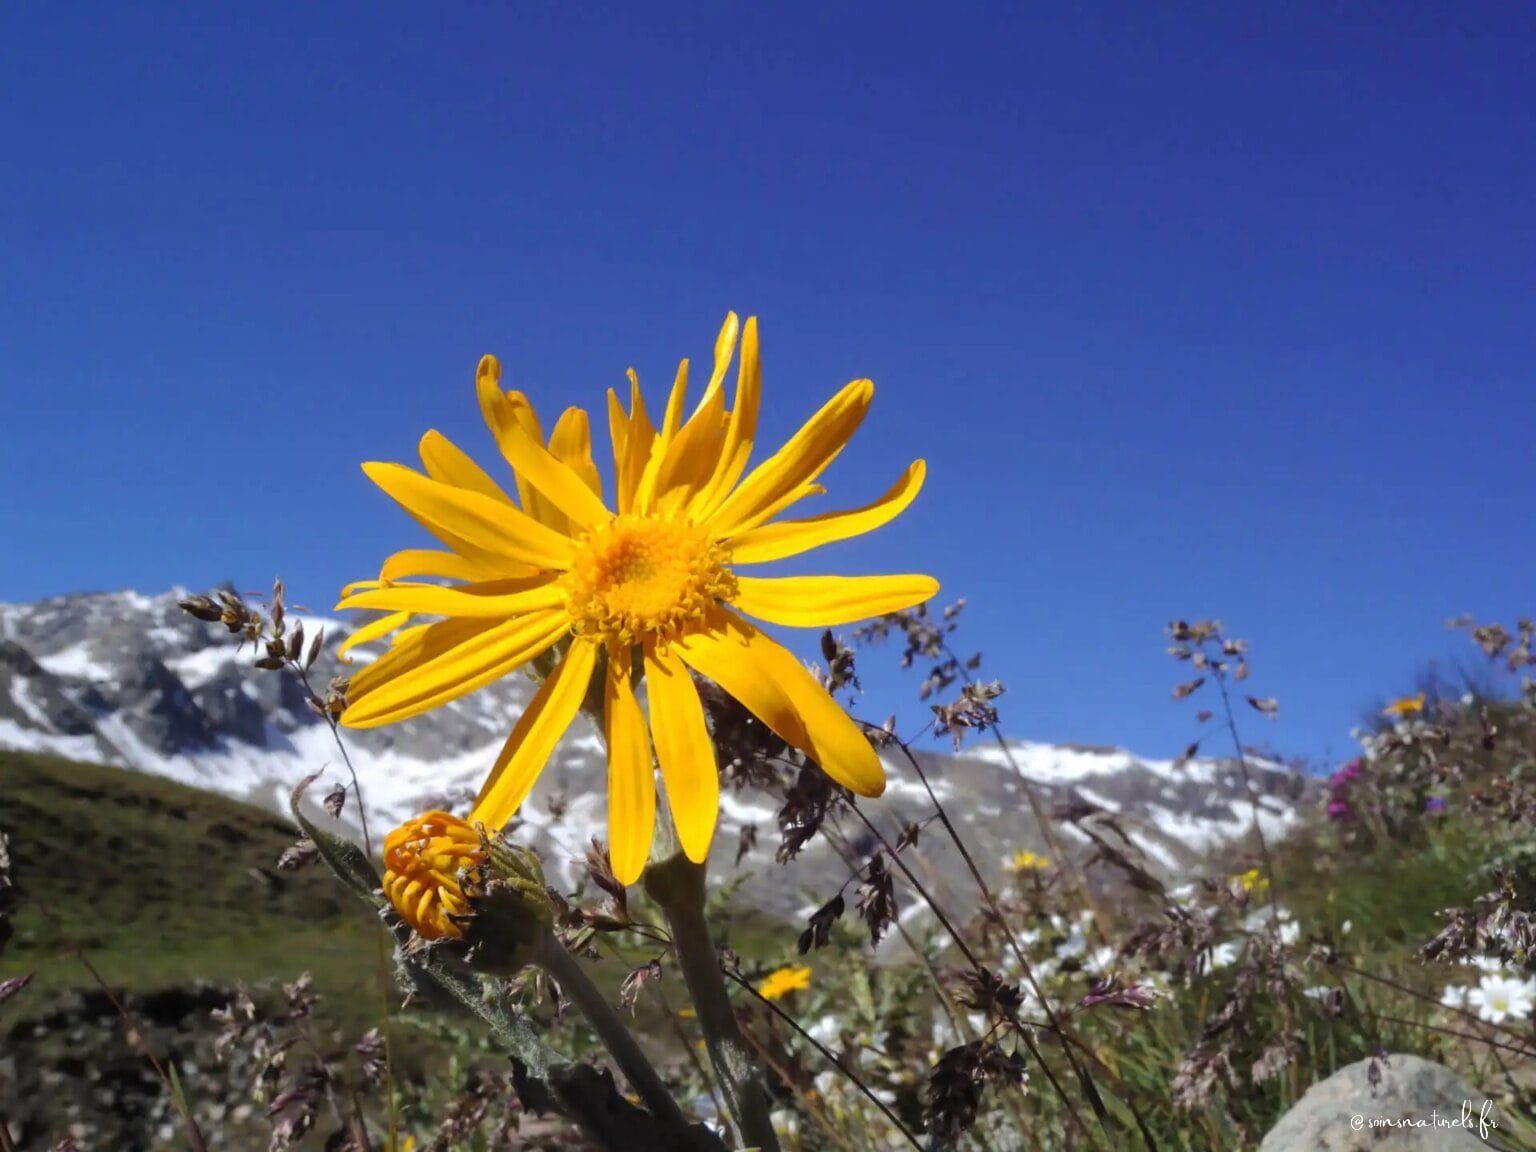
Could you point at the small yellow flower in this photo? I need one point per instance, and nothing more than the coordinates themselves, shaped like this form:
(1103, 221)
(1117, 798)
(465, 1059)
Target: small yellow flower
(1027, 861)
(422, 861)
(1252, 881)
(652, 583)
(1407, 706)
(783, 981)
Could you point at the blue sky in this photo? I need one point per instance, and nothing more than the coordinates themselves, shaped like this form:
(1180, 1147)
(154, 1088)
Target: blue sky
(1216, 311)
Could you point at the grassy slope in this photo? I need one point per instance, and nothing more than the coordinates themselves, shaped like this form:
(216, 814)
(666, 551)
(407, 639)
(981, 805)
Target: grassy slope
(163, 884)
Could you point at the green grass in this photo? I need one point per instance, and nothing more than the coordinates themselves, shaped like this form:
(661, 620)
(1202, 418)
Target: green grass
(162, 885)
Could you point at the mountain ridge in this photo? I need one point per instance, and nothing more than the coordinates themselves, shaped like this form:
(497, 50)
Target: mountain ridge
(128, 678)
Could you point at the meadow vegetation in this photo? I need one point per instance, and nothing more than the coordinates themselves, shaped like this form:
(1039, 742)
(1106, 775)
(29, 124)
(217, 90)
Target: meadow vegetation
(1081, 1001)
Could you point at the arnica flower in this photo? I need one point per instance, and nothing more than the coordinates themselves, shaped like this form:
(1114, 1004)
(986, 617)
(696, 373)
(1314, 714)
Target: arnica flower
(1407, 706)
(782, 981)
(422, 862)
(649, 585)
(1252, 881)
(1027, 861)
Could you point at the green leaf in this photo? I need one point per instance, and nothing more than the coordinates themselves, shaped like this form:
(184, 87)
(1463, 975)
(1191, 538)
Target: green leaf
(346, 859)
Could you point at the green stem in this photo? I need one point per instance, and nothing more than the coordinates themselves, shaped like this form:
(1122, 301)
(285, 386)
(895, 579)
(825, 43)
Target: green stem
(677, 885)
(551, 955)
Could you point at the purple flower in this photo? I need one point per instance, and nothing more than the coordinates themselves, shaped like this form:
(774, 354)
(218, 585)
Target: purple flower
(1345, 775)
(1435, 804)
(1341, 811)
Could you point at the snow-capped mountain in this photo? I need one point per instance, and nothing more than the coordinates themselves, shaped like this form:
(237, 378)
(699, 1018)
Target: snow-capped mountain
(129, 679)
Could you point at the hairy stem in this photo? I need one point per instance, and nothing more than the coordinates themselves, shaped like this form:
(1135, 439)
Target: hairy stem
(1253, 796)
(677, 885)
(831, 1058)
(578, 988)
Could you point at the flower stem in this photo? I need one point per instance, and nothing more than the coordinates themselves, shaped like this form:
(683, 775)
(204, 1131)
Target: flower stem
(677, 884)
(577, 987)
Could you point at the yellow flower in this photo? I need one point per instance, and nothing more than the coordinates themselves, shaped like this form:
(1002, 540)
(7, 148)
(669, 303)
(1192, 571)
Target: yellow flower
(422, 861)
(1407, 706)
(1252, 881)
(1027, 861)
(648, 585)
(782, 981)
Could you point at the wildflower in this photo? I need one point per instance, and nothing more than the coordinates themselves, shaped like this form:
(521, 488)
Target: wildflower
(1101, 961)
(1435, 805)
(1455, 996)
(1348, 773)
(423, 861)
(1407, 706)
(1252, 881)
(649, 585)
(1498, 998)
(1075, 943)
(1221, 956)
(782, 981)
(1027, 861)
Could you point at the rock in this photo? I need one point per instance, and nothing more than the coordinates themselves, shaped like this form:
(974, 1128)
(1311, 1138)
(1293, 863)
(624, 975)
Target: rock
(33, 698)
(1417, 1106)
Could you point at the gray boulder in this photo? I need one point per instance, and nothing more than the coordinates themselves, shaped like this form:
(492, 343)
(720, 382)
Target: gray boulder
(1416, 1106)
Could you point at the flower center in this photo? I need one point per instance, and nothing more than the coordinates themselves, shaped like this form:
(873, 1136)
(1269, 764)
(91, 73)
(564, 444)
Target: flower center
(639, 578)
(422, 860)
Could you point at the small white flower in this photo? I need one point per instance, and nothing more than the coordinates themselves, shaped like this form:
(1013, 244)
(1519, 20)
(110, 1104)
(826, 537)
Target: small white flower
(1455, 996)
(1321, 992)
(1100, 961)
(1487, 965)
(826, 1029)
(1290, 932)
(1221, 956)
(1498, 998)
(1346, 928)
(1075, 944)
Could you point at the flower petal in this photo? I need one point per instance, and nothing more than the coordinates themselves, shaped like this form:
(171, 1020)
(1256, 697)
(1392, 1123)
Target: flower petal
(777, 689)
(774, 541)
(684, 750)
(447, 463)
(822, 601)
(554, 479)
(740, 429)
(455, 515)
(448, 660)
(631, 783)
(498, 598)
(800, 461)
(535, 735)
(687, 456)
(638, 440)
(672, 418)
(449, 565)
(371, 631)
(504, 412)
(571, 443)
